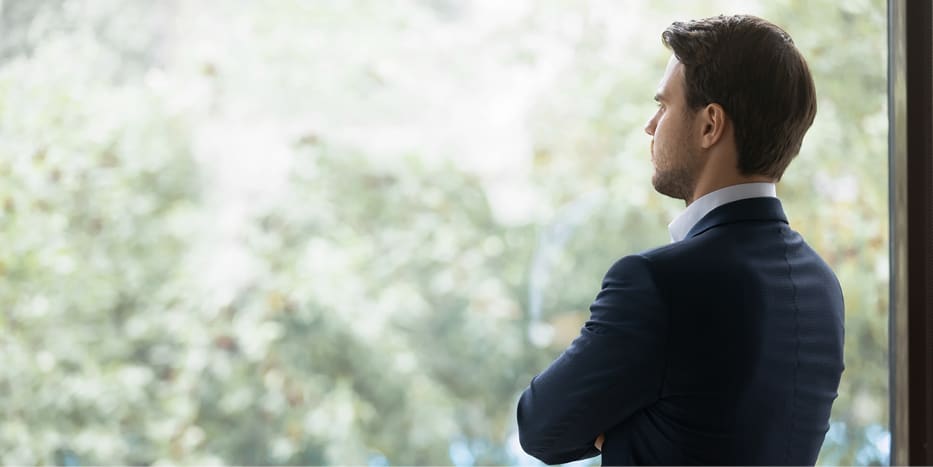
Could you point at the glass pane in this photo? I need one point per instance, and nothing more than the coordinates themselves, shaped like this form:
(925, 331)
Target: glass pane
(351, 232)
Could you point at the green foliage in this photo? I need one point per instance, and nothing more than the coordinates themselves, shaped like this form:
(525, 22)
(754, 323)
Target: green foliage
(351, 232)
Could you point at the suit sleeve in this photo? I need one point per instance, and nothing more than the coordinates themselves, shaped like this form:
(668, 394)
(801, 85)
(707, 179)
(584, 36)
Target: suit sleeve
(611, 370)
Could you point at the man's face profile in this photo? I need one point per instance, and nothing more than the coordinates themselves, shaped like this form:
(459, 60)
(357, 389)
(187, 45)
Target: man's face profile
(673, 153)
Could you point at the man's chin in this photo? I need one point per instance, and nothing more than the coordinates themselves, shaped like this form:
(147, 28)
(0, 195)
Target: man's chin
(666, 189)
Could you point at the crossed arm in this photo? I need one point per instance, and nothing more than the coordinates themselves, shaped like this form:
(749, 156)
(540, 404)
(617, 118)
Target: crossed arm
(612, 370)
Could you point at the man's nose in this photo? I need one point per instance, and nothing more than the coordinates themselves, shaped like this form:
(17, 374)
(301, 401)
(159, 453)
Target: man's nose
(649, 127)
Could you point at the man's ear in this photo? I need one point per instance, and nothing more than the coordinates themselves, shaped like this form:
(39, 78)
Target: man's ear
(714, 120)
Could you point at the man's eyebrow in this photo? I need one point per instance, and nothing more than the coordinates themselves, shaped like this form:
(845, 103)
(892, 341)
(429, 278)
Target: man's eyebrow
(658, 97)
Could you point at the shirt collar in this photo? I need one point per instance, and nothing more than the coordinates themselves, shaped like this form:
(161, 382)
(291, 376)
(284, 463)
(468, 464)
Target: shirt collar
(682, 224)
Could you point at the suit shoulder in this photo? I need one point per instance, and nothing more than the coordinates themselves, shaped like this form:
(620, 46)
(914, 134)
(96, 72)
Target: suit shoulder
(633, 267)
(646, 261)
(672, 250)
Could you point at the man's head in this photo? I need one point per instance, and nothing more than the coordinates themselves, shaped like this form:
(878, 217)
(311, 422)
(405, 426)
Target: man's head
(736, 86)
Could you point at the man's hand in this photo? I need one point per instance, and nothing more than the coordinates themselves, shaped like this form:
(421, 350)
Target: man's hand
(599, 442)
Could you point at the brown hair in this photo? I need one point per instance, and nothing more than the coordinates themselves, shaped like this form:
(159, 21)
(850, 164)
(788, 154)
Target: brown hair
(753, 70)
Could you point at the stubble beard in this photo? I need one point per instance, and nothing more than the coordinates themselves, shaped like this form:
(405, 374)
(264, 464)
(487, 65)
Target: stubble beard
(679, 180)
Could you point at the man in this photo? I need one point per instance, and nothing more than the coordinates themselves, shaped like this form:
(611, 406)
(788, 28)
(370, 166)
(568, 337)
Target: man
(724, 347)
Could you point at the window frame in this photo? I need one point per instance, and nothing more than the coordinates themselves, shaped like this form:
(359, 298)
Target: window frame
(910, 81)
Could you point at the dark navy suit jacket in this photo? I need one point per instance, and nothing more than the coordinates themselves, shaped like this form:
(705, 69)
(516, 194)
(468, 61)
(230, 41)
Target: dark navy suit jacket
(724, 348)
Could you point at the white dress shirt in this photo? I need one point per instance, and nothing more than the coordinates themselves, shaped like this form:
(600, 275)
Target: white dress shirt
(685, 221)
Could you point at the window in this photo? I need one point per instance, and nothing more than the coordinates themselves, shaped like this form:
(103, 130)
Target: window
(351, 232)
